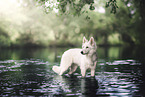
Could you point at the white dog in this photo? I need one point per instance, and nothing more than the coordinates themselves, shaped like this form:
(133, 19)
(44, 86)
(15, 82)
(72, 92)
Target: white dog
(86, 58)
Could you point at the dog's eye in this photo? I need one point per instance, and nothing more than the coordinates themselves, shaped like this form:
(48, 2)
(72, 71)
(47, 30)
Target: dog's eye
(87, 47)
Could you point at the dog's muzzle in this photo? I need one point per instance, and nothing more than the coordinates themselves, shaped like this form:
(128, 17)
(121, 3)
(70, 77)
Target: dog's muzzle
(83, 53)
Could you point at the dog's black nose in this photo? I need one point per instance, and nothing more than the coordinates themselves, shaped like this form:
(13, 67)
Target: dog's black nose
(82, 52)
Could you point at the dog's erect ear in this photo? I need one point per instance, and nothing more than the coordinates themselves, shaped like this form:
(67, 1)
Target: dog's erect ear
(91, 41)
(84, 39)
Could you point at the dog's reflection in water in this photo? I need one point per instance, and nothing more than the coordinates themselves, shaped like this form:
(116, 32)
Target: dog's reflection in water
(71, 85)
(89, 86)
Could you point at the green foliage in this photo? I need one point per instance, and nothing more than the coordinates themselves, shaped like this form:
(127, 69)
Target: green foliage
(128, 22)
(67, 22)
(76, 7)
(4, 41)
(113, 5)
(73, 7)
(4, 37)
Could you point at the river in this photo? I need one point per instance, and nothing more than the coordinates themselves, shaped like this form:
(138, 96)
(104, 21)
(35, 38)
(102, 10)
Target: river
(28, 72)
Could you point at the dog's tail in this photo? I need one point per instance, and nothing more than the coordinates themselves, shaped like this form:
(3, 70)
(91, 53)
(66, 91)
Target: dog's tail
(56, 69)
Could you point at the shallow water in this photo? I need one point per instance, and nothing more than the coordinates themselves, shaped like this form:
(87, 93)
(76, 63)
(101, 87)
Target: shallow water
(29, 73)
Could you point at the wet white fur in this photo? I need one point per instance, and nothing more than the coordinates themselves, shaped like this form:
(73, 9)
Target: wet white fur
(73, 58)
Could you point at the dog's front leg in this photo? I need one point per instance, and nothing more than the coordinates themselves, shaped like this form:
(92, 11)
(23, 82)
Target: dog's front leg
(83, 71)
(93, 69)
(92, 72)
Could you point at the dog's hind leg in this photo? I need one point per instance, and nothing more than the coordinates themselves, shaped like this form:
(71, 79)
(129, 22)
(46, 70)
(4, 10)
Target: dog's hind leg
(73, 68)
(63, 69)
(66, 62)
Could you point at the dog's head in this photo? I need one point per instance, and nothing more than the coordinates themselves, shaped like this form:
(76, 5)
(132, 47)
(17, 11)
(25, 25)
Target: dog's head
(88, 46)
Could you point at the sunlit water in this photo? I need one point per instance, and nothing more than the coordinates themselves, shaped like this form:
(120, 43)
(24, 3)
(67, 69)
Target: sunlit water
(34, 77)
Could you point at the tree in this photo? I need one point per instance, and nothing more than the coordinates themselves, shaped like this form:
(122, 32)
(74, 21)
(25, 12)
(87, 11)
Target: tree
(129, 21)
(70, 20)
(75, 7)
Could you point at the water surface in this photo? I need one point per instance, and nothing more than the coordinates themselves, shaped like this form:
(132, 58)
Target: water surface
(27, 72)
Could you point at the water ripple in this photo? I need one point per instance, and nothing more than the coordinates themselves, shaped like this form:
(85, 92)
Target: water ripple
(33, 77)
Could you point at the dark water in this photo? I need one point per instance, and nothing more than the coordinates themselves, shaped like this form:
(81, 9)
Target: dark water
(27, 72)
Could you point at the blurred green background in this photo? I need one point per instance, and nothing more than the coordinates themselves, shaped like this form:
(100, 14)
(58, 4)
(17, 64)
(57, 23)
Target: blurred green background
(43, 23)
